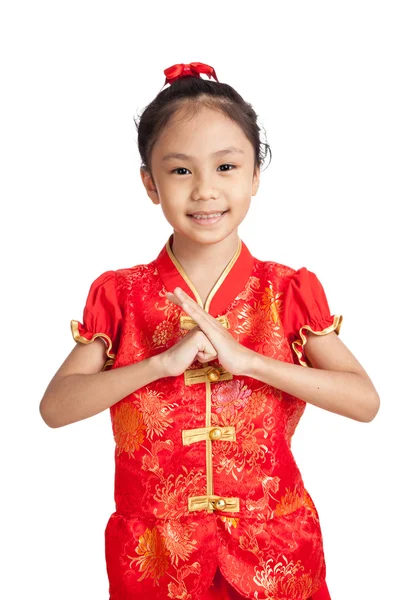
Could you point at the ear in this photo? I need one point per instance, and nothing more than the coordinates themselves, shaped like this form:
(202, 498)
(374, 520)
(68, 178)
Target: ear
(256, 181)
(150, 185)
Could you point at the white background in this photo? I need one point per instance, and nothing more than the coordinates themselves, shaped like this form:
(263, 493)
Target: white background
(323, 78)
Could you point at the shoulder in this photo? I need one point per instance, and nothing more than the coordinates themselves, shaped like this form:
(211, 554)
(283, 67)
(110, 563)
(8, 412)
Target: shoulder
(135, 278)
(277, 273)
(136, 271)
(287, 280)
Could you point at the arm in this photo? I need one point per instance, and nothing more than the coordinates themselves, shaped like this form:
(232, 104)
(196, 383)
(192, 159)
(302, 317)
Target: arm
(337, 383)
(80, 389)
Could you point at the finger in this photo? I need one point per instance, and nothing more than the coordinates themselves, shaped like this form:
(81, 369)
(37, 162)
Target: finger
(203, 357)
(206, 322)
(172, 298)
(204, 345)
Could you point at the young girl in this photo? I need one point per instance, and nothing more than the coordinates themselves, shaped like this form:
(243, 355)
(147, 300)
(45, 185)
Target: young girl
(206, 358)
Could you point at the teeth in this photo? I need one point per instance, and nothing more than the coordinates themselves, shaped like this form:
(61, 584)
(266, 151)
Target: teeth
(212, 216)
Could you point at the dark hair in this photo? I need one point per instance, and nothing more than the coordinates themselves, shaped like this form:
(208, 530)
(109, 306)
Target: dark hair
(192, 93)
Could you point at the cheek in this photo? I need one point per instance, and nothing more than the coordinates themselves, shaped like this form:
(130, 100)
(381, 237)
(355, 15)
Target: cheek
(240, 197)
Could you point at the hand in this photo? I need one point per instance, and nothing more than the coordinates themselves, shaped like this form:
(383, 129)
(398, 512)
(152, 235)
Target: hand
(194, 345)
(234, 357)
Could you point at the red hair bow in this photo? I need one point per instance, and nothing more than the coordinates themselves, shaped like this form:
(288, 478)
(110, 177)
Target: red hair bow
(194, 69)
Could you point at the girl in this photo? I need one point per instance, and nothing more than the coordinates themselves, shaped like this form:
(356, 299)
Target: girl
(206, 358)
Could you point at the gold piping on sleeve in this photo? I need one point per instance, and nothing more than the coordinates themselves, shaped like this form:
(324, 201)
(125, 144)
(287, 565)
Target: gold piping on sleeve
(336, 325)
(80, 338)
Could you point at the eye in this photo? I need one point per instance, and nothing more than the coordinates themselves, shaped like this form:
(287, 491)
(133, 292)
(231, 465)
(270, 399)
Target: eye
(179, 169)
(185, 169)
(228, 165)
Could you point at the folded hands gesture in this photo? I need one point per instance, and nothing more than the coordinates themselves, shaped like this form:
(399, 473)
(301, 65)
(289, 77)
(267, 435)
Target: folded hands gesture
(232, 356)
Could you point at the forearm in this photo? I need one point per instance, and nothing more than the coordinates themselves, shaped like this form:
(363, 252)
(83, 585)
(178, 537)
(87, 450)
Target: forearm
(79, 396)
(339, 392)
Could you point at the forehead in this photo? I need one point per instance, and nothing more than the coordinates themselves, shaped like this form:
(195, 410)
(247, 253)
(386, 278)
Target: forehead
(200, 133)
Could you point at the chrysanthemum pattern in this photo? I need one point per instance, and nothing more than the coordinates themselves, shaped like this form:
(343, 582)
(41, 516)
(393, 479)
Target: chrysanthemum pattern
(153, 559)
(155, 411)
(281, 578)
(129, 428)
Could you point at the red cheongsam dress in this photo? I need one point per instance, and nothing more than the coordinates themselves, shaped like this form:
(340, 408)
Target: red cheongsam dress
(209, 500)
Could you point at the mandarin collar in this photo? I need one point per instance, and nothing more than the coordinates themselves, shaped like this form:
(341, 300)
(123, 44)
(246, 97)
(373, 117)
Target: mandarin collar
(230, 283)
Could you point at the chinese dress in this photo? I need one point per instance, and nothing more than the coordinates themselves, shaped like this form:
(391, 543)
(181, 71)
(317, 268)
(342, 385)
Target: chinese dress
(209, 500)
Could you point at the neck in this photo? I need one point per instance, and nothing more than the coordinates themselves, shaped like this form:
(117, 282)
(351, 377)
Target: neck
(194, 257)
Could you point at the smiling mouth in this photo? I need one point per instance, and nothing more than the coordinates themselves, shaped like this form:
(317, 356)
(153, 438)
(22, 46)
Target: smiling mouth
(205, 216)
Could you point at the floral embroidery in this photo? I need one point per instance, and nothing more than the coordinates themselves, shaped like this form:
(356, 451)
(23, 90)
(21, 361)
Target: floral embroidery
(230, 396)
(155, 410)
(248, 540)
(174, 491)
(252, 285)
(233, 457)
(258, 323)
(178, 590)
(283, 579)
(178, 542)
(230, 522)
(164, 332)
(270, 485)
(289, 503)
(272, 303)
(129, 428)
(311, 506)
(150, 461)
(153, 556)
(257, 402)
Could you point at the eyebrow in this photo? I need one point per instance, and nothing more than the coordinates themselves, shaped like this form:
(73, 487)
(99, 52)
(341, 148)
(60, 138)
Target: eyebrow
(230, 150)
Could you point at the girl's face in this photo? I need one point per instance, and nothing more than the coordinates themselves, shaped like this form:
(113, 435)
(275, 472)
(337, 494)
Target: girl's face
(203, 163)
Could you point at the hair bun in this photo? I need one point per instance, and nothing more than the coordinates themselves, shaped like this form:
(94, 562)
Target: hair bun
(192, 69)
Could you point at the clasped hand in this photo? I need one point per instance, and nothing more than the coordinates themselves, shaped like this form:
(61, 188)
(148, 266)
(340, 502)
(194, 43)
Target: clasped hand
(232, 356)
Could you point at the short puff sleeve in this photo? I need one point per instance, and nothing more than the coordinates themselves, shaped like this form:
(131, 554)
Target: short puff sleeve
(102, 316)
(306, 309)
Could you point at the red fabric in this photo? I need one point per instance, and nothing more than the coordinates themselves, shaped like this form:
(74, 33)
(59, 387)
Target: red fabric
(305, 304)
(220, 589)
(102, 316)
(271, 547)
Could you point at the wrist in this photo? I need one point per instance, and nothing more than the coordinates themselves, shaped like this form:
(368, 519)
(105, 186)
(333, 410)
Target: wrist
(158, 366)
(252, 364)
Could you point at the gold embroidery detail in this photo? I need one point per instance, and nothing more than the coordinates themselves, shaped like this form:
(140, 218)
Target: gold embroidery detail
(230, 521)
(190, 436)
(209, 469)
(336, 325)
(79, 338)
(187, 322)
(212, 502)
(202, 375)
(153, 559)
(288, 503)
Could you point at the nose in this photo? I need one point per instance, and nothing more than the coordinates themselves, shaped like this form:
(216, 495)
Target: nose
(203, 189)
